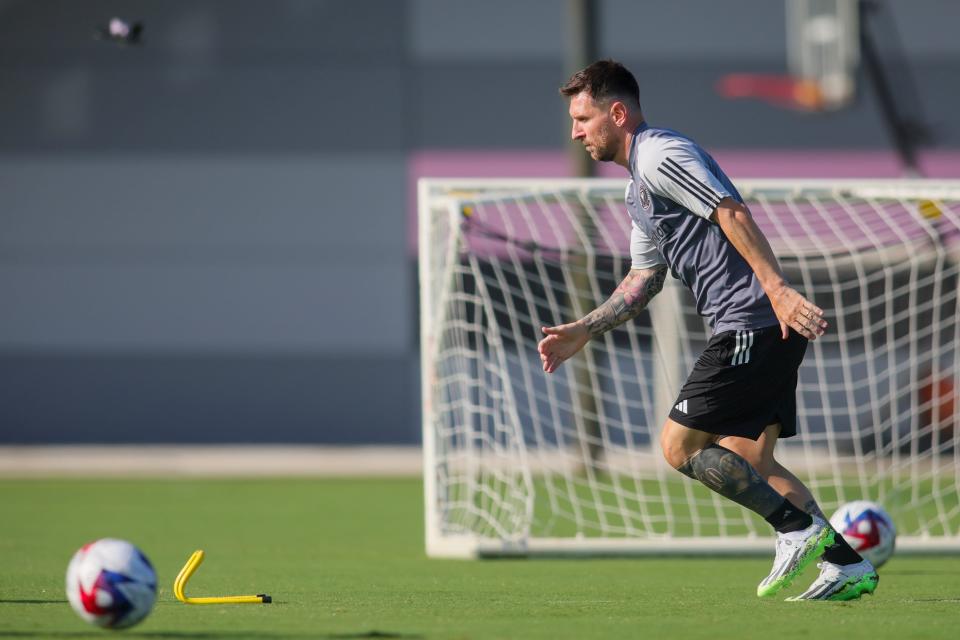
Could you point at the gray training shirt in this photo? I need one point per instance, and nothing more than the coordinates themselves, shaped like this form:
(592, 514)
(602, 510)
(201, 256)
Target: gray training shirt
(675, 187)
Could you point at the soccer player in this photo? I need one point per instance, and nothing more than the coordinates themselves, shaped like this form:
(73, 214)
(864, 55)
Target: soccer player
(741, 395)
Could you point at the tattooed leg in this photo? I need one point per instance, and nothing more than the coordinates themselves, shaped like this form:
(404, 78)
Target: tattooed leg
(840, 552)
(732, 477)
(759, 453)
(792, 488)
(697, 455)
(813, 509)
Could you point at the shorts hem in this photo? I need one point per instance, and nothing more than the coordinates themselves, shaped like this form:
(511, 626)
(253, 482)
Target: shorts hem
(753, 431)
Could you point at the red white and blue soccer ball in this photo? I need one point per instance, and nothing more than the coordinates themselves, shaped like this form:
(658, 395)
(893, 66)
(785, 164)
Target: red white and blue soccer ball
(111, 584)
(868, 529)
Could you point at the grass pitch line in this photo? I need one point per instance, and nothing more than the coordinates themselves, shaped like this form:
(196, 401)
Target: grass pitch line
(188, 569)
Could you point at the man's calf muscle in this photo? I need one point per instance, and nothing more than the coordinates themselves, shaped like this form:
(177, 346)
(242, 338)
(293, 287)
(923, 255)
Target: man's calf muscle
(732, 477)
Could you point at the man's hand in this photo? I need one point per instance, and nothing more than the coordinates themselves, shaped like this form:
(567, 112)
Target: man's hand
(792, 309)
(561, 343)
(797, 313)
(627, 301)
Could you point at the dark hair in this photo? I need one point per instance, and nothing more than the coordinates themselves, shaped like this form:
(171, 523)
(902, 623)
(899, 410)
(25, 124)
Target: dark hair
(603, 80)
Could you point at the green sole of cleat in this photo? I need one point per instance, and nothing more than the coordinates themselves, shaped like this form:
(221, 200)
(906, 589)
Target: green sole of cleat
(851, 591)
(864, 586)
(824, 540)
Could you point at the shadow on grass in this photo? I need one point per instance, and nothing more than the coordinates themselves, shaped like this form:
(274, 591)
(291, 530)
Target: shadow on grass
(953, 600)
(371, 634)
(915, 572)
(214, 635)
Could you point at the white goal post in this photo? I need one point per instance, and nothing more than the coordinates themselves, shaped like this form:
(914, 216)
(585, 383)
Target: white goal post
(517, 462)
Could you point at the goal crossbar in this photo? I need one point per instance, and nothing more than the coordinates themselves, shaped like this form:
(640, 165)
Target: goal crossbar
(520, 463)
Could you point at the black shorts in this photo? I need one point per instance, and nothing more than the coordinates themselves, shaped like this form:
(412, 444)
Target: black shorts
(742, 382)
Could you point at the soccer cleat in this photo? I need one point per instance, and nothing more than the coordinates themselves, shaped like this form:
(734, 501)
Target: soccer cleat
(795, 550)
(841, 582)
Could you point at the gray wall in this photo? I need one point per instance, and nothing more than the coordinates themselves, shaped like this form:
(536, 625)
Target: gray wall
(203, 238)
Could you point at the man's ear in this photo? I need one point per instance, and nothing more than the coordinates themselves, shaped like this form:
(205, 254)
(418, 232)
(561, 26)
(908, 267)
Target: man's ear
(618, 111)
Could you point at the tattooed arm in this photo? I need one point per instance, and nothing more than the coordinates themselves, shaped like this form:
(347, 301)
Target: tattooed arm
(626, 303)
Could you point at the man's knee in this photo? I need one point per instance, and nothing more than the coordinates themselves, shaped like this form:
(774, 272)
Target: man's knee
(674, 452)
(677, 445)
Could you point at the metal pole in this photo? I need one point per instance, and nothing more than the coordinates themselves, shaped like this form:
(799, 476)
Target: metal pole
(581, 52)
(905, 133)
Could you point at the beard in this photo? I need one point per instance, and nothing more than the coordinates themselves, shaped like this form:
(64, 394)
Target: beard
(603, 151)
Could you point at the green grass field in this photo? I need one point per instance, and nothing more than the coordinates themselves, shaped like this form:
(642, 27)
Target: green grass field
(344, 559)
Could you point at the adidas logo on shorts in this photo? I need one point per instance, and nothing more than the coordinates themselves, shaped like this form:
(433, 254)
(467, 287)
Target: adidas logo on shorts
(681, 406)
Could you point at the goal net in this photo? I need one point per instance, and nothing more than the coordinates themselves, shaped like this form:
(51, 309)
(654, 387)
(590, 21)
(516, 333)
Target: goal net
(520, 462)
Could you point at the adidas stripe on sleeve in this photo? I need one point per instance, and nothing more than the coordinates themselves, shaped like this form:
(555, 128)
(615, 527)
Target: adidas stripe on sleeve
(678, 173)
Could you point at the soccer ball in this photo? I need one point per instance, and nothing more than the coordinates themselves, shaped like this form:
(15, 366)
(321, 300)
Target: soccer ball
(868, 529)
(110, 583)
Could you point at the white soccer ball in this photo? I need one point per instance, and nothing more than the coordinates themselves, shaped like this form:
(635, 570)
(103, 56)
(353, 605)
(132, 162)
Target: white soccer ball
(110, 583)
(868, 529)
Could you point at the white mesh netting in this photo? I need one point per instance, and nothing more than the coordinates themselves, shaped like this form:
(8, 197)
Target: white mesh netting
(517, 460)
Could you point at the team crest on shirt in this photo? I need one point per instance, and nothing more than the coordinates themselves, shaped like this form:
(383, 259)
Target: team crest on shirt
(644, 196)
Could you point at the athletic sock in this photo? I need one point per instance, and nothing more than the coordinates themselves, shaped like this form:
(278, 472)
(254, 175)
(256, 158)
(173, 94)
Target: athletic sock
(788, 517)
(840, 552)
